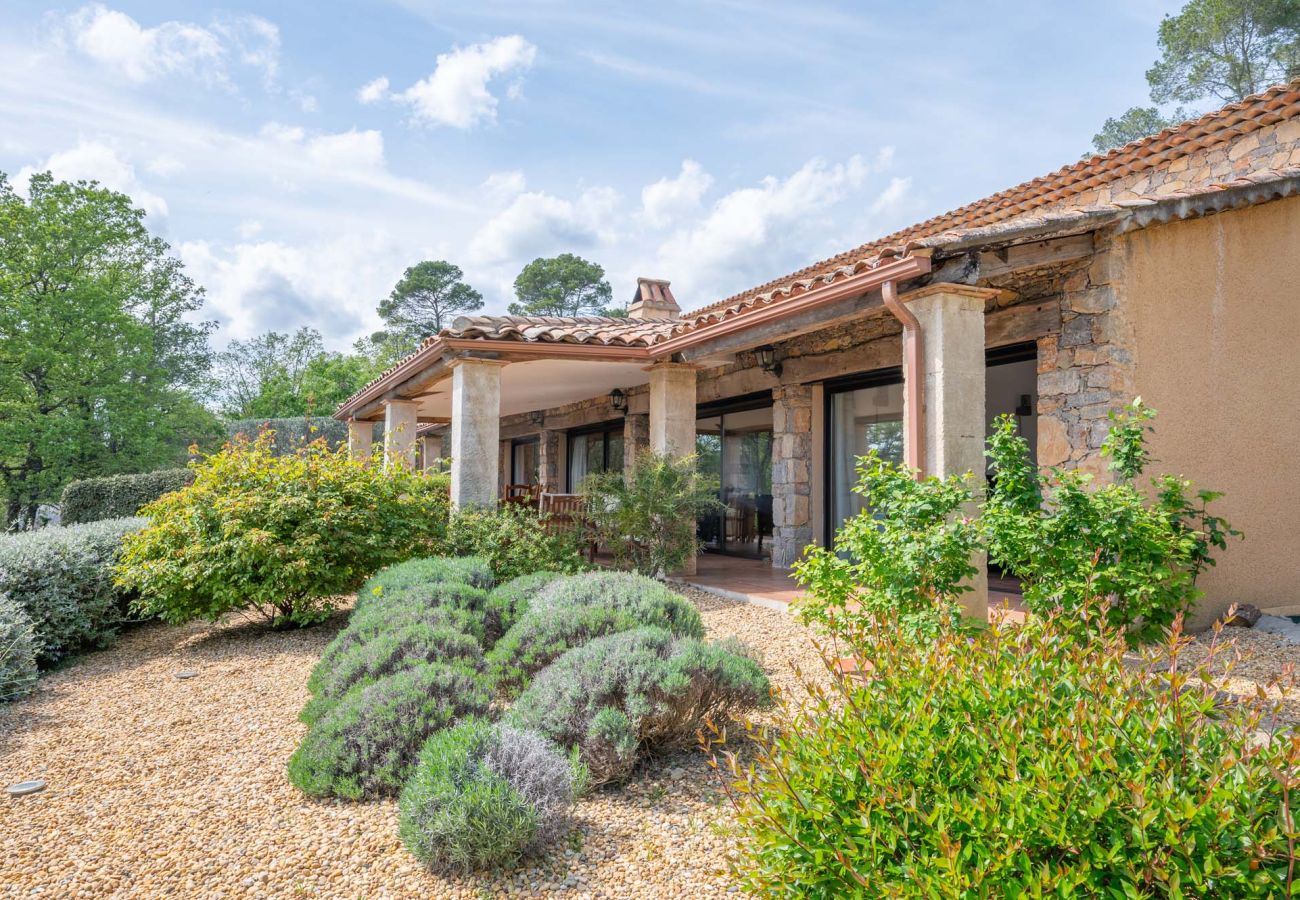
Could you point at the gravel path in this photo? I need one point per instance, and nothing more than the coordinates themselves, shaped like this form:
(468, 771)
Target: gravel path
(163, 787)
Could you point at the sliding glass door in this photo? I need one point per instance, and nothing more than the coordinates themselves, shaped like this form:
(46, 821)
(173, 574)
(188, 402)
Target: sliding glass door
(734, 451)
(862, 415)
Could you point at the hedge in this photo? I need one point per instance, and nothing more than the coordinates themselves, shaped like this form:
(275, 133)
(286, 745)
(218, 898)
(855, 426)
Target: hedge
(118, 496)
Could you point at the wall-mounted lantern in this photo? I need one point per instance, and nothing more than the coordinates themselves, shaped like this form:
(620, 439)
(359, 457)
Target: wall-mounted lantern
(618, 400)
(767, 360)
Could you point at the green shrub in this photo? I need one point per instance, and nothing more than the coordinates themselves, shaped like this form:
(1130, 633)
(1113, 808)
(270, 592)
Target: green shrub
(646, 516)
(367, 743)
(62, 577)
(389, 618)
(1072, 544)
(17, 651)
(513, 542)
(471, 570)
(118, 496)
(574, 610)
(619, 697)
(284, 535)
(291, 435)
(1018, 762)
(509, 601)
(482, 796)
(388, 652)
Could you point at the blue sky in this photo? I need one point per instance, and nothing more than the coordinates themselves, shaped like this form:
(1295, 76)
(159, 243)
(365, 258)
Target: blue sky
(299, 155)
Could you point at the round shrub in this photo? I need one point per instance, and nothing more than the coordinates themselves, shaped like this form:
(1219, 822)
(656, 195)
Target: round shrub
(482, 796)
(508, 602)
(17, 651)
(386, 618)
(471, 570)
(390, 652)
(365, 745)
(636, 692)
(648, 601)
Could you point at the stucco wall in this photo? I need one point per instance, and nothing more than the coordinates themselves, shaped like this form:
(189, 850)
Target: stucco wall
(1214, 305)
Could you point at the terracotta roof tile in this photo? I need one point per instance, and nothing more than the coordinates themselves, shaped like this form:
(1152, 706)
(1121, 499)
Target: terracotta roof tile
(561, 329)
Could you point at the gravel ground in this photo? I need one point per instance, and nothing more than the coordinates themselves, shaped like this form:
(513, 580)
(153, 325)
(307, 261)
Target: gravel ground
(163, 787)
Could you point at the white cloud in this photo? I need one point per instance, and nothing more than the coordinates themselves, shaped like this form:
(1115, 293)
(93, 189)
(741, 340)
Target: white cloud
(891, 199)
(668, 199)
(348, 150)
(457, 94)
(505, 185)
(373, 91)
(97, 161)
(117, 41)
(249, 229)
(537, 224)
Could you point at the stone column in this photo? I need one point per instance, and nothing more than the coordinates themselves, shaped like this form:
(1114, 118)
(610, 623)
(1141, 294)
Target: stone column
(399, 432)
(672, 416)
(952, 324)
(431, 452)
(548, 460)
(792, 527)
(636, 437)
(475, 431)
(361, 435)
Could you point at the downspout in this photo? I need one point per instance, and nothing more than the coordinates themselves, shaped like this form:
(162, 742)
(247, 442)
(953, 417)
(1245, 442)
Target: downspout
(913, 379)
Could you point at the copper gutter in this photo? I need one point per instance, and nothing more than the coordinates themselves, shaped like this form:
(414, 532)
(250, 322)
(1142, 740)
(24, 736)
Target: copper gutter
(913, 379)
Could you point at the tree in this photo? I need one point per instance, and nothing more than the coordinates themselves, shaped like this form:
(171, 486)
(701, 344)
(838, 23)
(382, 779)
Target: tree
(564, 285)
(101, 364)
(1220, 49)
(277, 376)
(429, 295)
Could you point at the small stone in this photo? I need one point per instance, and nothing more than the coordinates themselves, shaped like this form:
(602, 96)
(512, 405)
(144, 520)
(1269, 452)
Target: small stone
(186, 673)
(1242, 615)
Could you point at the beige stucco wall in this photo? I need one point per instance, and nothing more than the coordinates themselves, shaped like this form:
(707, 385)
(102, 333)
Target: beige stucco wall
(1214, 307)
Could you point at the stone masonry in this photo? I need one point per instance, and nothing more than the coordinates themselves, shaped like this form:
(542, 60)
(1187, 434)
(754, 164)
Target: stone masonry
(792, 528)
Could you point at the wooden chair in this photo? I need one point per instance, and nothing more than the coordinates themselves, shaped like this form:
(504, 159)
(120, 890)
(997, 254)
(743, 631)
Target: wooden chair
(568, 512)
(521, 494)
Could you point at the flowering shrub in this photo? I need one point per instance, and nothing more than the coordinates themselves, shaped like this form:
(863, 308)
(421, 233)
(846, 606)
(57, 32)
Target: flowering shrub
(425, 571)
(279, 534)
(1017, 762)
(510, 601)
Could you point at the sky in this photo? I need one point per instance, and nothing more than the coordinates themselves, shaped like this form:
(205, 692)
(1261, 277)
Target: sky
(298, 156)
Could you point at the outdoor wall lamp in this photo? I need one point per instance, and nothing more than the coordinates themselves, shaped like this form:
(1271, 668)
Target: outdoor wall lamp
(618, 400)
(767, 360)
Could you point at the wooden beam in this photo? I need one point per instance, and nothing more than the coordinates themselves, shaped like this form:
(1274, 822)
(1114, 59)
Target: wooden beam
(1018, 324)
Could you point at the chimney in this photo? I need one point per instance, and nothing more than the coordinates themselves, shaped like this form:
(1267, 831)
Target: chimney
(653, 301)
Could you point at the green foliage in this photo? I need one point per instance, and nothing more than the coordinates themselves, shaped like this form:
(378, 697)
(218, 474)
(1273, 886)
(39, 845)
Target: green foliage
(647, 516)
(17, 651)
(482, 796)
(910, 552)
(1135, 124)
(102, 356)
(1073, 544)
(512, 541)
(575, 610)
(564, 285)
(619, 697)
(366, 744)
(281, 534)
(118, 496)
(427, 571)
(290, 435)
(1018, 762)
(63, 579)
(428, 297)
(510, 601)
(387, 652)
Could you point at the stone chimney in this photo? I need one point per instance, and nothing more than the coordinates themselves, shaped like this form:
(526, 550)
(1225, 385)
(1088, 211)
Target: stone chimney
(653, 301)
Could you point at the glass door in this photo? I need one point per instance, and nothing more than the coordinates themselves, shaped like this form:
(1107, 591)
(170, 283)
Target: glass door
(734, 451)
(860, 418)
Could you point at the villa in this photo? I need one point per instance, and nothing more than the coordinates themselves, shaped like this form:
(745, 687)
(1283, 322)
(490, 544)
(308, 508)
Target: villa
(1167, 269)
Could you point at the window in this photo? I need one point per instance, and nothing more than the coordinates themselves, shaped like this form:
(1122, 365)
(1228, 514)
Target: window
(863, 414)
(523, 461)
(595, 449)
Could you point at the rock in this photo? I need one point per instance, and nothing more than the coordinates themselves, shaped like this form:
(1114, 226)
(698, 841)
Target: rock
(1281, 626)
(1242, 615)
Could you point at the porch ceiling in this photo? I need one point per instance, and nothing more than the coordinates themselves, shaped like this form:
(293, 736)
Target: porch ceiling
(545, 383)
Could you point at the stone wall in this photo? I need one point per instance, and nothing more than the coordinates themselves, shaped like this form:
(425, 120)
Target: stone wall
(792, 527)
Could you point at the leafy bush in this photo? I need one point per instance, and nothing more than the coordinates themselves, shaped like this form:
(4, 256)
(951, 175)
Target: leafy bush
(63, 579)
(17, 651)
(484, 795)
(365, 745)
(118, 496)
(646, 516)
(636, 692)
(391, 651)
(1018, 762)
(510, 601)
(574, 610)
(291, 435)
(1073, 545)
(513, 541)
(471, 570)
(279, 534)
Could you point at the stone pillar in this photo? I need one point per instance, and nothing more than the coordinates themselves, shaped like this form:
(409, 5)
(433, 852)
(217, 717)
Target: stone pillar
(431, 452)
(792, 527)
(636, 438)
(548, 461)
(399, 433)
(475, 431)
(672, 416)
(952, 323)
(672, 408)
(361, 435)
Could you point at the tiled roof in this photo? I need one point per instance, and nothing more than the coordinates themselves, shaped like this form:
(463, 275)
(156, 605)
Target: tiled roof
(561, 329)
(1237, 119)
